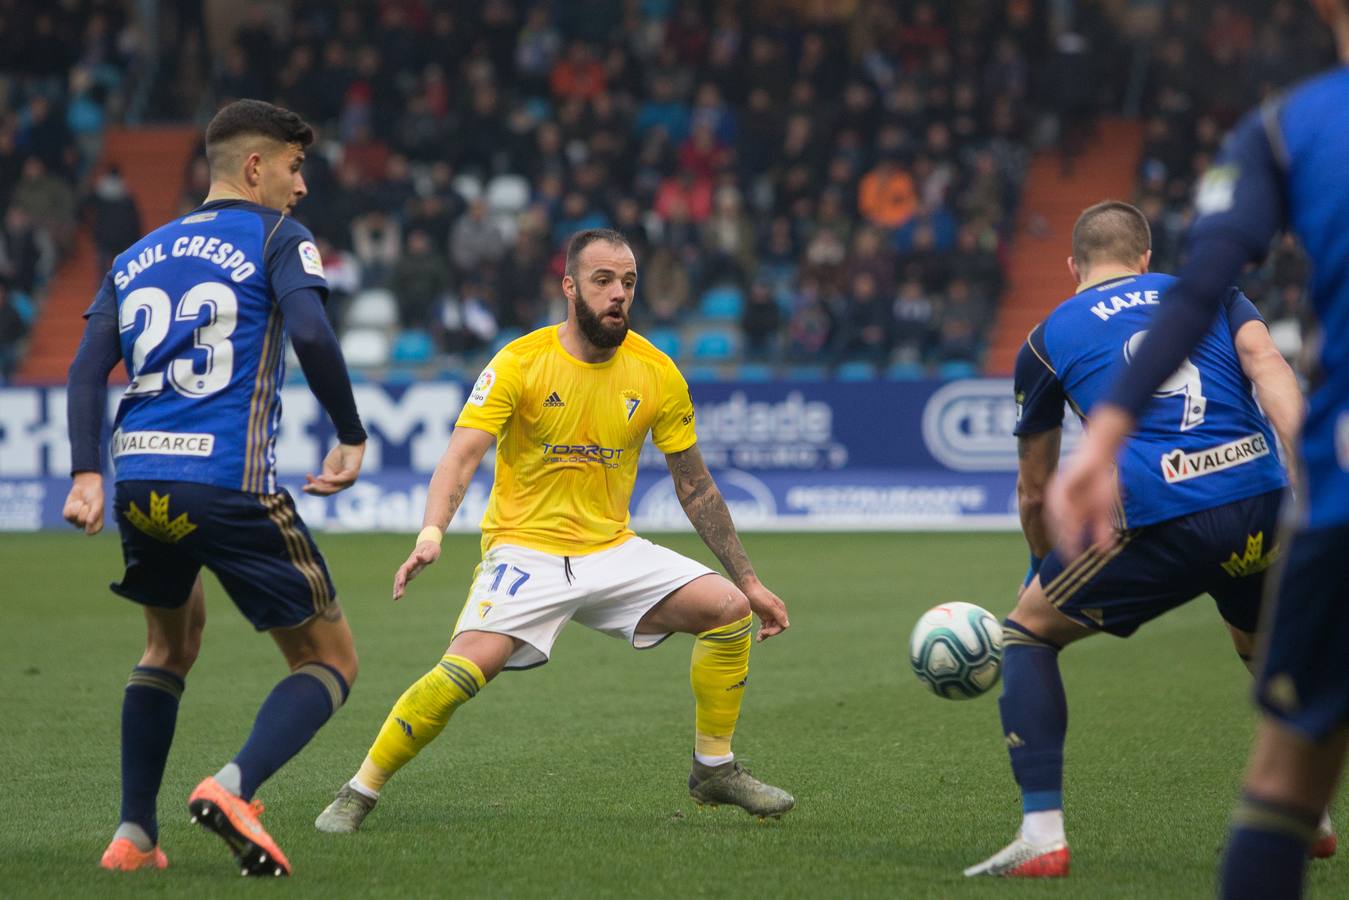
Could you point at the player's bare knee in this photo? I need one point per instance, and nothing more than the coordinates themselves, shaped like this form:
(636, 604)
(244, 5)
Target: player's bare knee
(173, 653)
(1034, 614)
(736, 607)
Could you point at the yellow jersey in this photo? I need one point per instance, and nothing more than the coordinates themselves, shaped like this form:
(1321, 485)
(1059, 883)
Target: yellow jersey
(569, 434)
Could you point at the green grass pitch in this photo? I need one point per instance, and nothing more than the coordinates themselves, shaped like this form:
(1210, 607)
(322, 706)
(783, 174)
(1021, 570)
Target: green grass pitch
(569, 780)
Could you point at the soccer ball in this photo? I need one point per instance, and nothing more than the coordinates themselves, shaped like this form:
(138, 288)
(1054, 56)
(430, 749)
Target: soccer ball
(956, 650)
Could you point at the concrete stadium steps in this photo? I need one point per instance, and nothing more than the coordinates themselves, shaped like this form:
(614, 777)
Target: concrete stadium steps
(1037, 276)
(153, 162)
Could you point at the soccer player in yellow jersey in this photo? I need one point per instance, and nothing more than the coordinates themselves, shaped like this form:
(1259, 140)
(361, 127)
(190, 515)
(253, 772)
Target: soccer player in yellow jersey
(569, 407)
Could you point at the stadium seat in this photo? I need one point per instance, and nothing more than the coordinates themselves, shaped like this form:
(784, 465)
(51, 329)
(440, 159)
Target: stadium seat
(957, 368)
(365, 348)
(805, 373)
(715, 345)
(507, 194)
(467, 186)
(906, 371)
(412, 347)
(666, 340)
(1287, 337)
(723, 303)
(504, 337)
(755, 372)
(375, 308)
(702, 374)
(855, 370)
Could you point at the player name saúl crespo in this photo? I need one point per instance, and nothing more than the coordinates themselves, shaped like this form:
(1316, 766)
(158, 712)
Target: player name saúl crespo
(163, 443)
(1178, 465)
(222, 253)
(581, 453)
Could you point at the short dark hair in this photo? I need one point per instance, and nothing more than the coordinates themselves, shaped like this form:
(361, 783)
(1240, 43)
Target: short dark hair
(1111, 231)
(254, 117)
(582, 239)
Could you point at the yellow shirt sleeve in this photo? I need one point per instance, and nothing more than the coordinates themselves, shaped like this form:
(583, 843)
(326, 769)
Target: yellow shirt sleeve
(673, 430)
(494, 395)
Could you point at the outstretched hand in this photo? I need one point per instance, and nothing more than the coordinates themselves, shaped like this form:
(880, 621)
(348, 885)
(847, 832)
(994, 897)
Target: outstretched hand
(770, 609)
(341, 467)
(425, 553)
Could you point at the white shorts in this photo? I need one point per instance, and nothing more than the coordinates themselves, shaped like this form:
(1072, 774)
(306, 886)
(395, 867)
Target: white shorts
(530, 595)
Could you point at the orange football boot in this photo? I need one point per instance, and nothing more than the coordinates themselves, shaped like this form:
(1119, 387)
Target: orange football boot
(236, 821)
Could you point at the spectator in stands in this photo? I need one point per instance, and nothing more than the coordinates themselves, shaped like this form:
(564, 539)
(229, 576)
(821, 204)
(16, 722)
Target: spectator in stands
(914, 318)
(760, 323)
(476, 241)
(728, 241)
(665, 286)
(975, 259)
(12, 331)
(886, 196)
(377, 239)
(115, 218)
(43, 134)
(864, 332)
(579, 76)
(47, 199)
(25, 253)
(684, 196)
(419, 281)
(811, 327)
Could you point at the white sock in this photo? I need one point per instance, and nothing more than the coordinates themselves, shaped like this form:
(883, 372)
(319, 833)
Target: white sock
(1044, 827)
(230, 778)
(136, 834)
(362, 789)
(714, 760)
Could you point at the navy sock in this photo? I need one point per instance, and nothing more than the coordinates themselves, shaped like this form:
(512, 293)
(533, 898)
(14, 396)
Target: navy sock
(149, 714)
(1266, 854)
(290, 716)
(1034, 717)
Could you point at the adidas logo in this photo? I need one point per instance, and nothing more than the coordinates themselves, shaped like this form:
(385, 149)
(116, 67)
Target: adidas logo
(553, 400)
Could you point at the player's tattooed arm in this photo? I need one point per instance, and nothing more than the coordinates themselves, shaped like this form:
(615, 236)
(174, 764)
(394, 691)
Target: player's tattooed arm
(706, 508)
(1037, 459)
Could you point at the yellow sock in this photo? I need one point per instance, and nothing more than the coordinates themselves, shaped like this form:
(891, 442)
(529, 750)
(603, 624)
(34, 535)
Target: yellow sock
(718, 672)
(418, 716)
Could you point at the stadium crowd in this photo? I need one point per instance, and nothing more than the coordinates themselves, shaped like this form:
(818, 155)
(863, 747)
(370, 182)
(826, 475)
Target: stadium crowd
(1209, 66)
(805, 184)
(829, 192)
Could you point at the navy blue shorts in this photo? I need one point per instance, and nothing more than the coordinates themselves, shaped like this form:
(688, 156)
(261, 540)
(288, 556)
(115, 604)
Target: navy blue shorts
(1304, 672)
(254, 543)
(1223, 551)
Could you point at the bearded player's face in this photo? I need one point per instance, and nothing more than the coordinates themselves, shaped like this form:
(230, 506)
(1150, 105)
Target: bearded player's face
(602, 292)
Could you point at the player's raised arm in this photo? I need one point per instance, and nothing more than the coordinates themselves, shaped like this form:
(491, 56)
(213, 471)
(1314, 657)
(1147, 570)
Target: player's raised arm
(449, 484)
(100, 351)
(706, 508)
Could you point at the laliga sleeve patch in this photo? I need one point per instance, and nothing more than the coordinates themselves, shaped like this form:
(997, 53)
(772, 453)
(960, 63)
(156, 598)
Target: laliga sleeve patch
(310, 260)
(482, 387)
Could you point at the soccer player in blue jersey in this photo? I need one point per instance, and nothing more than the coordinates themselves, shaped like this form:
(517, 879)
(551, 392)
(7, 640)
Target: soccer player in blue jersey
(1199, 488)
(1284, 165)
(199, 309)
